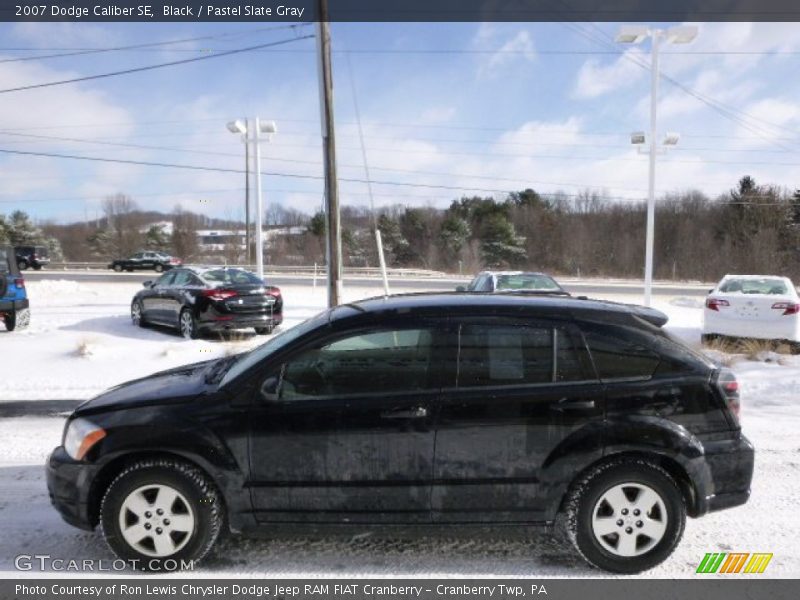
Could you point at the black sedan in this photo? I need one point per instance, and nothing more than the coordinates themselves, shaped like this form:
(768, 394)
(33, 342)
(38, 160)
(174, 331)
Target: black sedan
(195, 300)
(157, 261)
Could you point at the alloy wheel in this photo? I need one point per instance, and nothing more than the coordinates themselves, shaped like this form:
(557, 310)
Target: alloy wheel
(136, 313)
(156, 520)
(629, 519)
(187, 324)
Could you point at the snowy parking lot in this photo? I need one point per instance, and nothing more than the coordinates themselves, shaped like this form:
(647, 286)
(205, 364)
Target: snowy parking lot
(81, 341)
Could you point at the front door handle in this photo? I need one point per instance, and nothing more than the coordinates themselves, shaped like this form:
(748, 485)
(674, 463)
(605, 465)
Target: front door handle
(418, 412)
(571, 404)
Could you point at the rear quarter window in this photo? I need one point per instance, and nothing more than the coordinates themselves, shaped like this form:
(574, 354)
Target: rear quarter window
(640, 351)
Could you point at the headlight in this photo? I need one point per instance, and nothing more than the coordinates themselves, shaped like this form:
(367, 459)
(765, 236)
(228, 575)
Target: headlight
(80, 436)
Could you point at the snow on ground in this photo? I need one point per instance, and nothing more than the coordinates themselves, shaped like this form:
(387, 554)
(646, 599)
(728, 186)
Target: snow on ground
(45, 362)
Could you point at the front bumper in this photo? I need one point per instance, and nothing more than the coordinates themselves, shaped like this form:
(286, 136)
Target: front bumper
(726, 476)
(69, 483)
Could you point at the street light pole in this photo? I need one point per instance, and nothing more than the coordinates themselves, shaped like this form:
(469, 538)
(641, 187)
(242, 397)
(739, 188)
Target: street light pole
(681, 34)
(247, 246)
(259, 217)
(651, 186)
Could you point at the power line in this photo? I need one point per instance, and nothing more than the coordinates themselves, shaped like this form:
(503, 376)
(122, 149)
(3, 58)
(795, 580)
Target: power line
(150, 45)
(151, 67)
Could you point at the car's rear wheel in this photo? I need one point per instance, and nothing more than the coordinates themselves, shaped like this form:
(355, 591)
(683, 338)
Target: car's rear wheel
(22, 264)
(161, 509)
(137, 314)
(625, 516)
(188, 325)
(37, 267)
(118, 268)
(159, 268)
(265, 330)
(19, 319)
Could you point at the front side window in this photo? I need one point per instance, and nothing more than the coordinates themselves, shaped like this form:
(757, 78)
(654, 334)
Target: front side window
(375, 362)
(165, 280)
(182, 279)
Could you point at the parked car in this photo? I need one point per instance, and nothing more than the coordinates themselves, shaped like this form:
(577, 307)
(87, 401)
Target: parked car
(764, 307)
(430, 409)
(514, 281)
(32, 256)
(197, 300)
(158, 261)
(14, 306)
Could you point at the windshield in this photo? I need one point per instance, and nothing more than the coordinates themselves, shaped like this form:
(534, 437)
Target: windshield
(765, 285)
(260, 353)
(527, 281)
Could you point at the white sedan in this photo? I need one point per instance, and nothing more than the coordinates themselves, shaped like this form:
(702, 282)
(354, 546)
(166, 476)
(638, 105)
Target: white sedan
(753, 306)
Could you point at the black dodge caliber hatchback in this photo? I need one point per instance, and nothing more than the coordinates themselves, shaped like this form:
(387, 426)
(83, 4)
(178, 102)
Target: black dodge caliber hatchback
(422, 411)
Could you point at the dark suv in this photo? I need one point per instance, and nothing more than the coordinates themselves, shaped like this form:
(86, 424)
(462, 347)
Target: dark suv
(32, 256)
(421, 410)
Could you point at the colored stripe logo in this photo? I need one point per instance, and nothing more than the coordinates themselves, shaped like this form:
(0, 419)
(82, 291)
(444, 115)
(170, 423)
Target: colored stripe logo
(734, 562)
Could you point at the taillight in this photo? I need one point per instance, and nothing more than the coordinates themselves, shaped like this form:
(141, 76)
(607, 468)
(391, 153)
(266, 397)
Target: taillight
(729, 387)
(788, 308)
(219, 295)
(19, 282)
(174, 261)
(715, 303)
(273, 291)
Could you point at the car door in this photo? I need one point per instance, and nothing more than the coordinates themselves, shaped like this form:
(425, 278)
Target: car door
(175, 295)
(347, 435)
(153, 300)
(519, 391)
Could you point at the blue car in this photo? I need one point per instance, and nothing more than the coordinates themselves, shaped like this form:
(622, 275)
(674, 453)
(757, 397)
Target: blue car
(14, 308)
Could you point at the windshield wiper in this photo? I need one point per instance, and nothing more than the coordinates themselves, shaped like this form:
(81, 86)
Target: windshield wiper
(219, 368)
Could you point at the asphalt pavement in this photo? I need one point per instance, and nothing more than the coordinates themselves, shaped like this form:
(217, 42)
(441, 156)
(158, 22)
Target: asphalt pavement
(586, 287)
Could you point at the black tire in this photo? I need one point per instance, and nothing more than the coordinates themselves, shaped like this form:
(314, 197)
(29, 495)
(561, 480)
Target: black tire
(159, 268)
(19, 319)
(265, 330)
(708, 338)
(22, 264)
(188, 315)
(200, 493)
(585, 496)
(140, 321)
(118, 268)
(37, 267)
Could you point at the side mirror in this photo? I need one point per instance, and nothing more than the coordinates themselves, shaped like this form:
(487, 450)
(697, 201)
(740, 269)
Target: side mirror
(461, 288)
(148, 284)
(270, 387)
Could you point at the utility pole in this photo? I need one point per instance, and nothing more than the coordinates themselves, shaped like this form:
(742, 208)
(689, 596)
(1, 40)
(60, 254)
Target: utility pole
(651, 187)
(259, 216)
(333, 229)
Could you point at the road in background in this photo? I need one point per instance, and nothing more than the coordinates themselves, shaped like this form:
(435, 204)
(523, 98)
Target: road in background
(579, 287)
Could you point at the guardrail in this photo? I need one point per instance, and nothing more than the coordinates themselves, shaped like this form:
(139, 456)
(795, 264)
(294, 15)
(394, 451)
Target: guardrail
(319, 270)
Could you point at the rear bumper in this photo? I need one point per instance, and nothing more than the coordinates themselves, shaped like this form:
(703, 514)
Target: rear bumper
(725, 478)
(68, 483)
(13, 305)
(784, 328)
(240, 321)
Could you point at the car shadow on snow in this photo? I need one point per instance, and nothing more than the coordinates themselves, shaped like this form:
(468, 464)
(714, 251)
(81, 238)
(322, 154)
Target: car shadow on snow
(121, 326)
(31, 527)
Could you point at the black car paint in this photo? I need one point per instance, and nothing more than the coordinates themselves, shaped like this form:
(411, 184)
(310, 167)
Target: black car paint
(144, 260)
(470, 458)
(162, 302)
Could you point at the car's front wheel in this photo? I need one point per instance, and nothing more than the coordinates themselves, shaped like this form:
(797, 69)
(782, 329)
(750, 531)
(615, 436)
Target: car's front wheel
(161, 509)
(137, 314)
(625, 516)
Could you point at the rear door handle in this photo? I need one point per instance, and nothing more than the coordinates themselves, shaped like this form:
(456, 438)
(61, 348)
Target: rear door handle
(570, 404)
(418, 412)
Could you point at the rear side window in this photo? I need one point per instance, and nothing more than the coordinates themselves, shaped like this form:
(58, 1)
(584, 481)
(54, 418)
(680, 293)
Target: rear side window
(619, 353)
(500, 355)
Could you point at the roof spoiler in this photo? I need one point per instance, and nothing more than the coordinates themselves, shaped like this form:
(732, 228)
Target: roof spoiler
(651, 315)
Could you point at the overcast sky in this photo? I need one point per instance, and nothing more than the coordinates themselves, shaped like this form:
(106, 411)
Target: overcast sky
(481, 108)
